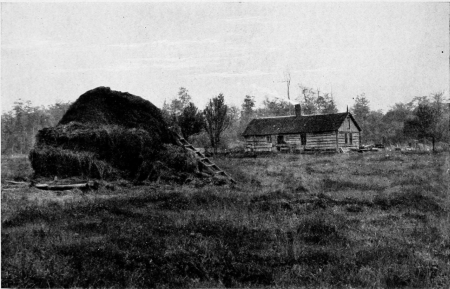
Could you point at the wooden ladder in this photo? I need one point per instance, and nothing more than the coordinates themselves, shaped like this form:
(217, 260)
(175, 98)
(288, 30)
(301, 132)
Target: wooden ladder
(203, 159)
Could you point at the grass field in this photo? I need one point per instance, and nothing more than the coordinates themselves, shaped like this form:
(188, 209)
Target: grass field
(372, 220)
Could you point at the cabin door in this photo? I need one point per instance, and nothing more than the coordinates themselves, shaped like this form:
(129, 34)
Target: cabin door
(280, 139)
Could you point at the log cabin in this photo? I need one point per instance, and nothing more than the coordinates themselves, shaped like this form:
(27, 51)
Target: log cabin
(297, 133)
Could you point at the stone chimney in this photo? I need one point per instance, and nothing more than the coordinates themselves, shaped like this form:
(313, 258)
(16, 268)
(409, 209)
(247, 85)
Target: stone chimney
(298, 110)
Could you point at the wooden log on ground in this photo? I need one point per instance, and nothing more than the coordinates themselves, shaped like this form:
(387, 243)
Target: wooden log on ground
(62, 187)
(16, 183)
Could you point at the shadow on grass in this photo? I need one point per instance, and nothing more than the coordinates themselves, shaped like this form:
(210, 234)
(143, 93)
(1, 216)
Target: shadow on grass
(229, 261)
(153, 251)
(119, 206)
(405, 200)
(323, 228)
(340, 185)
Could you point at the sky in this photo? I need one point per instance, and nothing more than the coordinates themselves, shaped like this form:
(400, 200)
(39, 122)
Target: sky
(390, 51)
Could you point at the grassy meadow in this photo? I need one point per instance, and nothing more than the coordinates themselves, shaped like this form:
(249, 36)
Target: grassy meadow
(348, 221)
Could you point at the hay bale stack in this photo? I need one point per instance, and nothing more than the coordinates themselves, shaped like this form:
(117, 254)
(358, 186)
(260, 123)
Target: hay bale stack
(109, 134)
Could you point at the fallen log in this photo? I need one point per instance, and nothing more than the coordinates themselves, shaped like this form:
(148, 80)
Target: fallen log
(16, 183)
(62, 187)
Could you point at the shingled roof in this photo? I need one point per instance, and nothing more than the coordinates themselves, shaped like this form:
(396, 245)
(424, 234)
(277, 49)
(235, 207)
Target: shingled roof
(297, 124)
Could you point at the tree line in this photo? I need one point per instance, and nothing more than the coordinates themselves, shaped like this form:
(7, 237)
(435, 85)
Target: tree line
(219, 125)
(23, 121)
(424, 119)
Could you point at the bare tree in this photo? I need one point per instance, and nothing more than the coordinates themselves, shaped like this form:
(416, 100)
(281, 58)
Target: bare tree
(287, 79)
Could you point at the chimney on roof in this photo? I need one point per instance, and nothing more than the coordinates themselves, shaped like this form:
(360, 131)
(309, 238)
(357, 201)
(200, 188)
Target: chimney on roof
(298, 110)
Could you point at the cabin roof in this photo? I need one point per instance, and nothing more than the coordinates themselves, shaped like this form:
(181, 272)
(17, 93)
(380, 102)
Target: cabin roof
(297, 124)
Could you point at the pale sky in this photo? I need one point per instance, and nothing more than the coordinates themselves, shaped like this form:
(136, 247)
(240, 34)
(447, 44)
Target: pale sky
(57, 51)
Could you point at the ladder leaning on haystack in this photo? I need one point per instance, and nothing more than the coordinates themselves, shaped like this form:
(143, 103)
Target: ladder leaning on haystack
(202, 158)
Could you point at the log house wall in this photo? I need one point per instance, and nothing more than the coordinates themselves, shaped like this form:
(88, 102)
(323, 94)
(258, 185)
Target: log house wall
(355, 140)
(320, 141)
(258, 144)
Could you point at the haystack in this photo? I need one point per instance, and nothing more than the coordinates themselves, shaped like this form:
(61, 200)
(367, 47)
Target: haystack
(108, 134)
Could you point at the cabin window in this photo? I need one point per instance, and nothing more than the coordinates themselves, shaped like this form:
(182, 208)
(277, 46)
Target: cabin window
(350, 138)
(303, 138)
(346, 139)
(269, 138)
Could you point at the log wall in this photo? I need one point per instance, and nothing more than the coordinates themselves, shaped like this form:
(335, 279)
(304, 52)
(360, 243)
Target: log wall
(314, 141)
(321, 141)
(258, 144)
(347, 127)
(355, 140)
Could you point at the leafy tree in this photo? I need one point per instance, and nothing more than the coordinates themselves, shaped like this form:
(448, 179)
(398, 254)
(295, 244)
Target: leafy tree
(325, 104)
(443, 112)
(20, 125)
(190, 121)
(275, 107)
(217, 119)
(313, 103)
(309, 101)
(167, 115)
(172, 111)
(233, 132)
(247, 114)
(8, 133)
(394, 121)
(361, 107)
(429, 119)
(424, 123)
(248, 105)
(179, 104)
(184, 97)
(374, 127)
(361, 111)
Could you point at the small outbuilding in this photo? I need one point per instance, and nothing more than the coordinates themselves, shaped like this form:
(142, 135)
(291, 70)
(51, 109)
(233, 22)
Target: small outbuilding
(325, 132)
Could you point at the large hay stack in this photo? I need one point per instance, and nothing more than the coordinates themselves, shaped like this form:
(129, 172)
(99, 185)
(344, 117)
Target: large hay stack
(108, 134)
